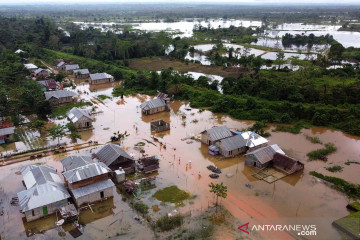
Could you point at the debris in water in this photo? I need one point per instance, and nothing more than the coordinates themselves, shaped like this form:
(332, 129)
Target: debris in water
(229, 175)
(214, 175)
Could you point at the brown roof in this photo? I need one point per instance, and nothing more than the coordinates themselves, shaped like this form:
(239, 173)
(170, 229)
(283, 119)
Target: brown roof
(287, 163)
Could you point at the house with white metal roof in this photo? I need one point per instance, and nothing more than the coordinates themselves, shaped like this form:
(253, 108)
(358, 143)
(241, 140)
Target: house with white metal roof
(254, 140)
(80, 118)
(114, 157)
(81, 73)
(31, 67)
(99, 78)
(45, 192)
(60, 97)
(87, 181)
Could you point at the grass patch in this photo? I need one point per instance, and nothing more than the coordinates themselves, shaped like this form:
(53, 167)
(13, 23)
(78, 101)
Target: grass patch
(171, 194)
(167, 223)
(140, 206)
(103, 97)
(355, 206)
(348, 162)
(349, 224)
(313, 139)
(60, 111)
(335, 168)
(294, 129)
(155, 208)
(350, 189)
(323, 152)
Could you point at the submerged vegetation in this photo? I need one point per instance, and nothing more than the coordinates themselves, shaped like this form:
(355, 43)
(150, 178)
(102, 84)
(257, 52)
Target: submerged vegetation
(335, 168)
(171, 194)
(350, 189)
(323, 152)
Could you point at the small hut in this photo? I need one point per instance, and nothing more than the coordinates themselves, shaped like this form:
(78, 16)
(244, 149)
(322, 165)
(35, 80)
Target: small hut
(148, 164)
(159, 126)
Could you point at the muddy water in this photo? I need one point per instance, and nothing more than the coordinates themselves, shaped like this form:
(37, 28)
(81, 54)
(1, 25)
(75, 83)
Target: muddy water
(295, 197)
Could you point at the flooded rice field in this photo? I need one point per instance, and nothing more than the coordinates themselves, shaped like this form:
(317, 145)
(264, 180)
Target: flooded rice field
(295, 198)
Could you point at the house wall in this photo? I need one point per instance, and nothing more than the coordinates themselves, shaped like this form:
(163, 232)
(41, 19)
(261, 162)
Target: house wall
(100, 81)
(81, 123)
(55, 101)
(94, 197)
(205, 138)
(39, 212)
(233, 152)
(154, 110)
(81, 75)
(257, 147)
(8, 138)
(253, 162)
(89, 181)
(44, 74)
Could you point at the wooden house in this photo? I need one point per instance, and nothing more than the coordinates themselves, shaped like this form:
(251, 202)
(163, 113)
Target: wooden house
(48, 85)
(45, 192)
(81, 73)
(80, 118)
(286, 164)
(232, 146)
(159, 126)
(87, 181)
(212, 135)
(6, 135)
(154, 106)
(99, 78)
(60, 97)
(41, 73)
(69, 68)
(114, 157)
(262, 157)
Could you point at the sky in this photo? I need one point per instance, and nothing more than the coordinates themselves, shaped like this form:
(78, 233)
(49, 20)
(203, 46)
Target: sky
(184, 1)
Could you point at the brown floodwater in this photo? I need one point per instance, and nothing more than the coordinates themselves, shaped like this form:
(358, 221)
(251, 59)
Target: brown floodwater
(299, 197)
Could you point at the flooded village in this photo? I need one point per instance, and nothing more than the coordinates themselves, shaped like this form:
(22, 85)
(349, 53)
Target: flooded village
(184, 141)
(144, 136)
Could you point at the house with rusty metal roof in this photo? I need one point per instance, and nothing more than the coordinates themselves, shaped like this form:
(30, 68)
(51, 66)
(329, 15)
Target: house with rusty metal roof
(48, 85)
(80, 118)
(286, 164)
(212, 135)
(87, 181)
(45, 192)
(113, 156)
(262, 157)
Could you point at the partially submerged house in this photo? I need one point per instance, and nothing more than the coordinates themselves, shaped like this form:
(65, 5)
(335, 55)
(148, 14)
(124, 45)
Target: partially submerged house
(48, 85)
(41, 73)
(231, 146)
(154, 106)
(212, 135)
(80, 118)
(159, 126)
(69, 68)
(6, 135)
(45, 192)
(99, 78)
(114, 157)
(262, 157)
(81, 73)
(88, 181)
(286, 164)
(60, 97)
(31, 67)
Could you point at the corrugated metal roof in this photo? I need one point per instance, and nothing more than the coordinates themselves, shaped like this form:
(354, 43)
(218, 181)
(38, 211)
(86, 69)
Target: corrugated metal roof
(232, 143)
(76, 113)
(72, 162)
(49, 84)
(7, 131)
(81, 71)
(85, 172)
(155, 103)
(59, 94)
(97, 76)
(60, 64)
(71, 67)
(218, 133)
(265, 154)
(109, 153)
(89, 189)
(161, 95)
(30, 66)
(253, 139)
(44, 187)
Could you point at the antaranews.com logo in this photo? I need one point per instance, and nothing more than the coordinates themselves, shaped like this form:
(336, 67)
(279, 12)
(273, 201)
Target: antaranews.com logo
(299, 229)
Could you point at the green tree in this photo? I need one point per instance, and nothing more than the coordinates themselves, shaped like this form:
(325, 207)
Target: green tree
(336, 51)
(219, 190)
(57, 132)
